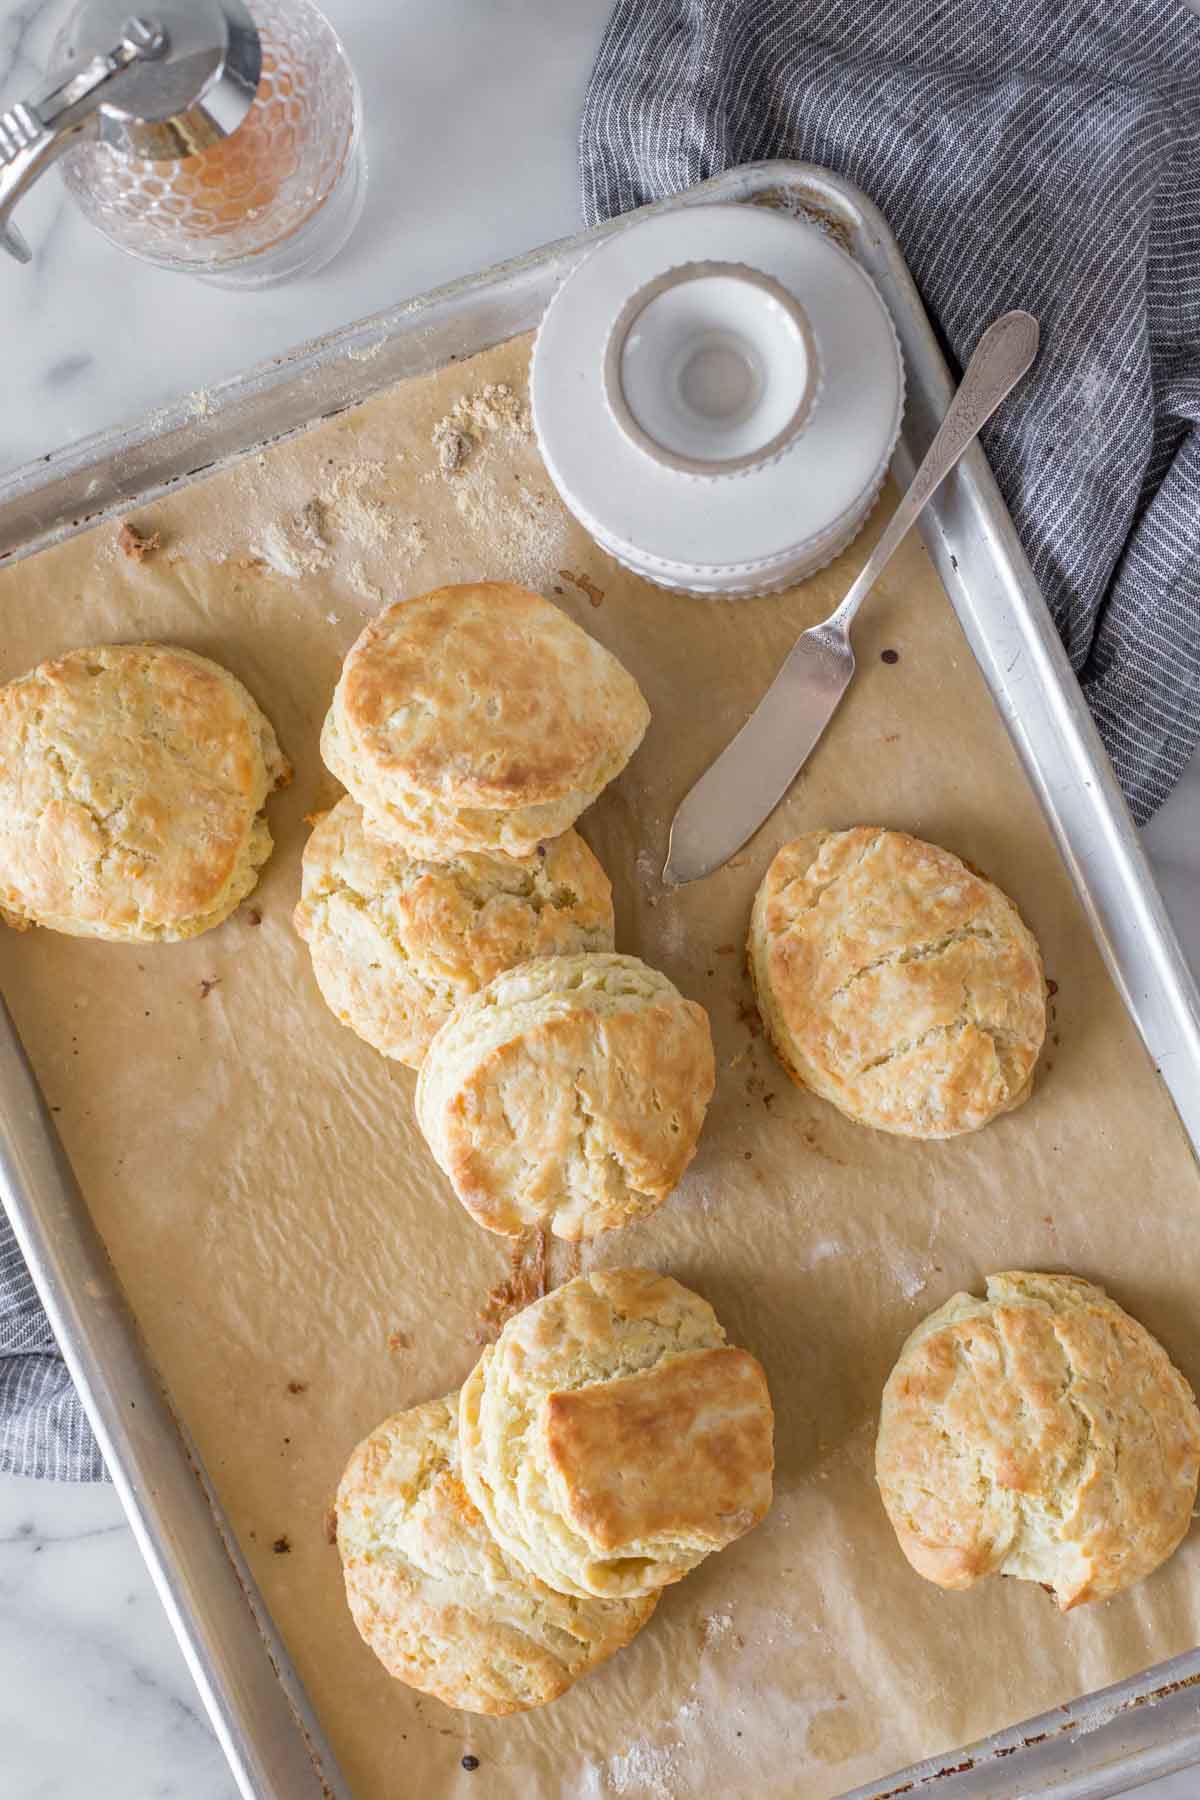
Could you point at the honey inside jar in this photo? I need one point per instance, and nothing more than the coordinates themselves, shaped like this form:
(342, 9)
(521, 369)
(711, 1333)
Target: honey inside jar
(218, 189)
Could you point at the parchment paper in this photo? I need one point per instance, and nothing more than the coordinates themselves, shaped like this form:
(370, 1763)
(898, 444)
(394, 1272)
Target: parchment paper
(301, 1269)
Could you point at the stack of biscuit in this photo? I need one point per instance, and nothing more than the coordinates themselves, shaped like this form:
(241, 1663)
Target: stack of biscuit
(479, 717)
(459, 924)
(499, 1543)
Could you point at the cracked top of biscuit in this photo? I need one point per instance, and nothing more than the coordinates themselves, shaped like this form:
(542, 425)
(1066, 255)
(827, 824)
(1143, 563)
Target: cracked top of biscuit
(132, 783)
(568, 1092)
(441, 1604)
(896, 982)
(398, 941)
(612, 1439)
(1041, 1433)
(481, 695)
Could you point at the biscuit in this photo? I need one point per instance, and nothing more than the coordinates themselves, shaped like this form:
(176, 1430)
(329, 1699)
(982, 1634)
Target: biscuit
(438, 1601)
(397, 941)
(132, 784)
(896, 983)
(479, 718)
(568, 1093)
(1040, 1433)
(612, 1439)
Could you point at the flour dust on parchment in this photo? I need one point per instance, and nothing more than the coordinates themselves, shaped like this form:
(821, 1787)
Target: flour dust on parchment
(734, 1701)
(338, 524)
(464, 498)
(334, 526)
(482, 446)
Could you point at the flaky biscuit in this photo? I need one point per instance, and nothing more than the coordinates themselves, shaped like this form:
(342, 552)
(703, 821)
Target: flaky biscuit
(1040, 1433)
(398, 941)
(132, 784)
(436, 1598)
(895, 982)
(612, 1439)
(569, 1093)
(479, 718)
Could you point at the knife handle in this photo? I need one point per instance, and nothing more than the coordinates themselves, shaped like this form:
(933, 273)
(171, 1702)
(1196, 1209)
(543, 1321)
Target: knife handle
(1003, 354)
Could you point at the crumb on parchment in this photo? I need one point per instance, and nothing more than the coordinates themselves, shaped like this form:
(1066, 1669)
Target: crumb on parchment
(311, 522)
(493, 410)
(136, 544)
(452, 445)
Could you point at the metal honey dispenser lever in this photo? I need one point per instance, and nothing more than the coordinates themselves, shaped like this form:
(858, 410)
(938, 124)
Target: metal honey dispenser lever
(204, 135)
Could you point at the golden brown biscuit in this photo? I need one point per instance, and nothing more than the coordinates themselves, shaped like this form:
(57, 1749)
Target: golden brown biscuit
(398, 941)
(895, 982)
(569, 1092)
(480, 718)
(132, 784)
(1040, 1433)
(612, 1439)
(441, 1605)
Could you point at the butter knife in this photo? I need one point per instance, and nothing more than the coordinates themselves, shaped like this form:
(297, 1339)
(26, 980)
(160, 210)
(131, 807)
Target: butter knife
(747, 781)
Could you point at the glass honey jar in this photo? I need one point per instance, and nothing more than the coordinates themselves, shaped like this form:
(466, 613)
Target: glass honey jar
(220, 137)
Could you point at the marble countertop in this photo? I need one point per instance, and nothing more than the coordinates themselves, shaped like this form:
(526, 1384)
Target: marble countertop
(472, 160)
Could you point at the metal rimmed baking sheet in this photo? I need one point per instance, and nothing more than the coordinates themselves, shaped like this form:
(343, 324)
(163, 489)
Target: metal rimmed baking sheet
(971, 543)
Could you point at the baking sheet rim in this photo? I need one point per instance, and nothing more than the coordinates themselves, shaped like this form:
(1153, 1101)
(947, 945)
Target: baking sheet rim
(971, 500)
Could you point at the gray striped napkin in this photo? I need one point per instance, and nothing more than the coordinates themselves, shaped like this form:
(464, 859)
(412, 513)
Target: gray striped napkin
(43, 1430)
(1042, 154)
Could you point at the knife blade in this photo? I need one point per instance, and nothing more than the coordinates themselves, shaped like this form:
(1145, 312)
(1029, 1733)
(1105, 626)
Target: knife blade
(755, 770)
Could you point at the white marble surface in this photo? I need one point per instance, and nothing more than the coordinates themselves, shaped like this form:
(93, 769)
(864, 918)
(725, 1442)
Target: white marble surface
(471, 115)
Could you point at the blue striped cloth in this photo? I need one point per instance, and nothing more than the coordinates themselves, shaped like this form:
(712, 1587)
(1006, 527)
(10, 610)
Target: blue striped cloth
(1042, 154)
(43, 1429)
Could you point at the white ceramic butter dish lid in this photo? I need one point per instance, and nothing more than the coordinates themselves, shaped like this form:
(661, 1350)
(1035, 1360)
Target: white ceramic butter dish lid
(716, 394)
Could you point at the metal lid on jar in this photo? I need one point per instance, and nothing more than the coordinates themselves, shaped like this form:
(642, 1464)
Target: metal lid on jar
(193, 87)
(717, 392)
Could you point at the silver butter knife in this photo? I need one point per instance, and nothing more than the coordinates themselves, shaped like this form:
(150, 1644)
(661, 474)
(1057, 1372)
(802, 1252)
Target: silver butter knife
(755, 770)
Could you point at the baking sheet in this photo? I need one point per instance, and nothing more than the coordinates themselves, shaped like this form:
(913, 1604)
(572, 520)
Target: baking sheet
(300, 1268)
